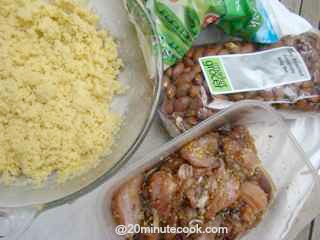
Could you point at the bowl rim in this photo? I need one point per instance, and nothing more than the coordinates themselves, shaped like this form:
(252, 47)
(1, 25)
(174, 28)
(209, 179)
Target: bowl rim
(139, 139)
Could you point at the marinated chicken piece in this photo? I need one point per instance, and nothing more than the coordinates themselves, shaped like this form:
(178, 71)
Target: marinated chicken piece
(202, 152)
(226, 192)
(173, 163)
(126, 204)
(185, 172)
(162, 189)
(239, 150)
(248, 215)
(215, 180)
(254, 196)
(265, 182)
(197, 193)
(256, 202)
(200, 172)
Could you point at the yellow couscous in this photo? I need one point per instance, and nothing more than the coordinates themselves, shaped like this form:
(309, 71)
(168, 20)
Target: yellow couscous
(58, 76)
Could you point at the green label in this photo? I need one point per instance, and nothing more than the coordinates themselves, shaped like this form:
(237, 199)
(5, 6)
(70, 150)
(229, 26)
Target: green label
(215, 75)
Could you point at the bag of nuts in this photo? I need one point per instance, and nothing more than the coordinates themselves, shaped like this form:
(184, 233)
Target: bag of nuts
(189, 97)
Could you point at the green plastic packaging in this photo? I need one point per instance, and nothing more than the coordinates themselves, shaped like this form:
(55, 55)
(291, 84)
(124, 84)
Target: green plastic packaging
(179, 22)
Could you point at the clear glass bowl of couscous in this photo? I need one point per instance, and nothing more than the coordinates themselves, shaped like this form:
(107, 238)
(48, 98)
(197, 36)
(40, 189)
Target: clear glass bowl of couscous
(136, 103)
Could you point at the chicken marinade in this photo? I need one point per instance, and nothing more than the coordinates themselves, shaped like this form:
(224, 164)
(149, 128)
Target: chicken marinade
(216, 180)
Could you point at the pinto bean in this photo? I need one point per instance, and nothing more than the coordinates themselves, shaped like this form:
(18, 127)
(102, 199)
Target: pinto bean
(188, 62)
(166, 81)
(223, 52)
(178, 69)
(198, 79)
(169, 72)
(233, 47)
(198, 53)
(185, 78)
(248, 48)
(195, 91)
(171, 91)
(168, 106)
(183, 90)
(196, 103)
(182, 104)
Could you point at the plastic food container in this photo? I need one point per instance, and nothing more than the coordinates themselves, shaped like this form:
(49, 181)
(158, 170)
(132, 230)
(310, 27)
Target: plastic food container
(20, 204)
(281, 156)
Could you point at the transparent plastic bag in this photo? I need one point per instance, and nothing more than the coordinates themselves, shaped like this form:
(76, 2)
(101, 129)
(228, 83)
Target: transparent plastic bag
(187, 99)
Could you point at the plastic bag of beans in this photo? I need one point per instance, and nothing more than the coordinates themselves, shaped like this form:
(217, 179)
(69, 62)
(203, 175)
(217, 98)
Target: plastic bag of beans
(188, 95)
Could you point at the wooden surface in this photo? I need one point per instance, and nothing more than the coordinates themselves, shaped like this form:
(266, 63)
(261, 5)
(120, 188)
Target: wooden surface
(309, 9)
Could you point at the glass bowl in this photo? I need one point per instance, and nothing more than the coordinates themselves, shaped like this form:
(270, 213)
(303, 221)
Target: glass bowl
(20, 204)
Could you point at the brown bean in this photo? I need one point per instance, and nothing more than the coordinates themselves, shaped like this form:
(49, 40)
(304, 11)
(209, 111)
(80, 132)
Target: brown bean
(183, 90)
(185, 78)
(198, 80)
(191, 113)
(223, 52)
(166, 81)
(236, 97)
(199, 52)
(192, 121)
(306, 91)
(302, 105)
(187, 70)
(182, 104)
(233, 47)
(250, 95)
(196, 103)
(171, 91)
(197, 68)
(284, 105)
(296, 85)
(213, 50)
(188, 62)
(190, 53)
(307, 84)
(248, 48)
(278, 93)
(204, 113)
(195, 91)
(167, 106)
(267, 95)
(315, 99)
(169, 72)
(258, 98)
(221, 97)
(178, 69)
